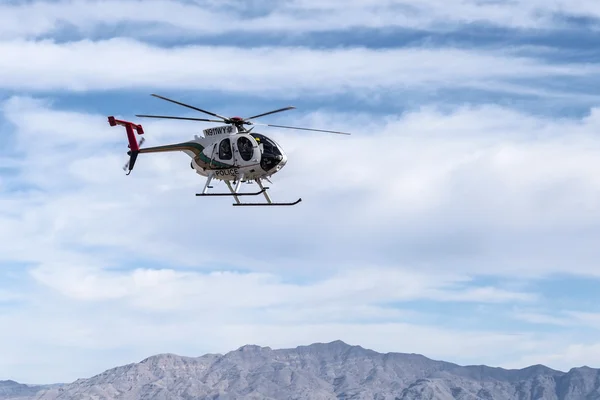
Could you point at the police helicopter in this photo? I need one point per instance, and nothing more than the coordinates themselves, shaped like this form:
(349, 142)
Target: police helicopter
(230, 152)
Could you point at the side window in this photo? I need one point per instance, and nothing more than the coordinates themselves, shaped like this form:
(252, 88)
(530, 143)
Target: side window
(244, 146)
(225, 149)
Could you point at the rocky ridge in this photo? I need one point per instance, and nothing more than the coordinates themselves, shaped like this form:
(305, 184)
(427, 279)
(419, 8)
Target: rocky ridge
(319, 371)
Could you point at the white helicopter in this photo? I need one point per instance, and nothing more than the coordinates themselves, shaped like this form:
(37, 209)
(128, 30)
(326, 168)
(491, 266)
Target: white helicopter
(230, 152)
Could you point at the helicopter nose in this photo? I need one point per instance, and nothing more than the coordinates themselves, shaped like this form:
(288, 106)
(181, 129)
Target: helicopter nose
(283, 159)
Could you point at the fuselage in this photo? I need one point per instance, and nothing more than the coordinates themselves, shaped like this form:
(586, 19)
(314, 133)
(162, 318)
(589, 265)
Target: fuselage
(245, 156)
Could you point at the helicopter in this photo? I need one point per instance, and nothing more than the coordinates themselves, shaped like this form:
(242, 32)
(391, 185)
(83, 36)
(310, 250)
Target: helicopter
(230, 152)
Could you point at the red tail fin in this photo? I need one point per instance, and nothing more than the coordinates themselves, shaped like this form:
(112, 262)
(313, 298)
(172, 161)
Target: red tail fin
(134, 146)
(129, 126)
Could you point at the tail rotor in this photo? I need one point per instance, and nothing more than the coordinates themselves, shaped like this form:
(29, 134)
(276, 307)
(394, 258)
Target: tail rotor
(132, 157)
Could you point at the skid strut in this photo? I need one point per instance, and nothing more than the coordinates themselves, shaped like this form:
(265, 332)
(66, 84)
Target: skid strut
(228, 194)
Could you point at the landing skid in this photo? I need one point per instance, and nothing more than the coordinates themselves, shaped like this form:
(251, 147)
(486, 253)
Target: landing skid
(268, 204)
(236, 194)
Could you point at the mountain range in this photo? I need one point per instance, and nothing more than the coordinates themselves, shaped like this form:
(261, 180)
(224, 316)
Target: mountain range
(320, 371)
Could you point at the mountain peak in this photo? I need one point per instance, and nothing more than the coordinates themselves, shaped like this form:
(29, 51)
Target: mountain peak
(160, 356)
(336, 344)
(339, 343)
(253, 348)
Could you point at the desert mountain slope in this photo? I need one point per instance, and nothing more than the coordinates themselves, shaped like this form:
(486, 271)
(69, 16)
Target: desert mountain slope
(14, 390)
(320, 371)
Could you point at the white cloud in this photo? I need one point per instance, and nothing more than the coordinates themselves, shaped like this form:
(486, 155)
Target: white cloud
(588, 319)
(473, 188)
(169, 290)
(140, 18)
(9, 295)
(562, 356)
(541, 318)
(574, 319)
(266, 71)
(564, 318)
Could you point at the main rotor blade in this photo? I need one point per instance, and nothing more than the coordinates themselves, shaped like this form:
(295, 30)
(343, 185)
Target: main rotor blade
(304, 129)
(192, 107)
(169, 117)
(271, 112)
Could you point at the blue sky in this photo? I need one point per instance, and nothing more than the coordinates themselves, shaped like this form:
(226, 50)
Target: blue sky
(459, 221)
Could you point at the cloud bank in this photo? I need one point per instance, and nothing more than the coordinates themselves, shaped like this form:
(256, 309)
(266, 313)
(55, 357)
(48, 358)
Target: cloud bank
(159, 18)
(449, 197)
(128, 64)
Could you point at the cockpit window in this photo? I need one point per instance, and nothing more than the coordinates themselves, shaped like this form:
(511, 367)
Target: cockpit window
(245, 148)
(225, 149)
(269, 146)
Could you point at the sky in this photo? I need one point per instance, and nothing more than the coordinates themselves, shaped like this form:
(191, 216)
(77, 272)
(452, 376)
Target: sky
(460, 220)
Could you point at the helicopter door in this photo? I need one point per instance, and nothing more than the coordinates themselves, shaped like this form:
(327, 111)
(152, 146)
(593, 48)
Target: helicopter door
(246, 151)
(224, 152)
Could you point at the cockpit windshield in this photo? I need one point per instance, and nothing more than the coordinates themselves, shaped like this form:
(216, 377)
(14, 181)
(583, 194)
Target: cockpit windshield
(271, 155)
(269, 146)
